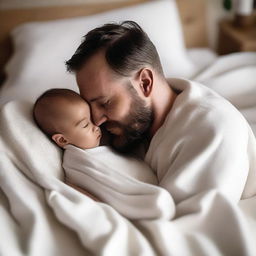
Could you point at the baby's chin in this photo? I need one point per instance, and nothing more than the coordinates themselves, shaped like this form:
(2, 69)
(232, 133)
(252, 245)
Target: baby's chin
(98, 144)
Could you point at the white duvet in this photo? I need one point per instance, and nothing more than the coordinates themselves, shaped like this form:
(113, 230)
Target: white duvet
(40, 215)
(126, 183)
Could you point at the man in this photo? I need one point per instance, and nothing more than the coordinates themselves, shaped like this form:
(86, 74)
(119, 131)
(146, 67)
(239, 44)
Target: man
(116, 76)
(119, 74)
(202, 149)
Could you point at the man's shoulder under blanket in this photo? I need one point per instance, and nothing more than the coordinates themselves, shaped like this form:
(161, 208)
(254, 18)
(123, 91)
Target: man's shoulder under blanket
(204, 143)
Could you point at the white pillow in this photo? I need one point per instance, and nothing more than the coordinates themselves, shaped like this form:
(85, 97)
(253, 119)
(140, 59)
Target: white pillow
(41, 48)
(25, 145)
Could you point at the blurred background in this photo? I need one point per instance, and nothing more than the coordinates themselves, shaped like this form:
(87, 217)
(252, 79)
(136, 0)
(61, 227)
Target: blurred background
(216, 10)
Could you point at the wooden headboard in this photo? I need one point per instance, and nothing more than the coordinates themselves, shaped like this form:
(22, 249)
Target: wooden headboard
(192, 14)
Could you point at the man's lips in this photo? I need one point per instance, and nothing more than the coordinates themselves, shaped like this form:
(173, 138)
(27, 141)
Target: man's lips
(114, 130)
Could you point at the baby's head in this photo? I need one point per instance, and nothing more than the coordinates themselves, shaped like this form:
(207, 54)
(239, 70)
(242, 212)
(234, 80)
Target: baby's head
(65, 117)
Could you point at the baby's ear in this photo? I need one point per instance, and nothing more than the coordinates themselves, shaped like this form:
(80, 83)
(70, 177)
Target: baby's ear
(59, 139)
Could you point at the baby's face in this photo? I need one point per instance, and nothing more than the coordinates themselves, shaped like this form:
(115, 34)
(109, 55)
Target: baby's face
(78, 128)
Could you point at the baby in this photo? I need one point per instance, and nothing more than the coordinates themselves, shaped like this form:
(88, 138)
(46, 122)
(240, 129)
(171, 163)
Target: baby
(124, 182)
(65, 117)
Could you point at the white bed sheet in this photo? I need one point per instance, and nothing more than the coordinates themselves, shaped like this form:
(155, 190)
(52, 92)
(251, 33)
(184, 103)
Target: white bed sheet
(201, 58)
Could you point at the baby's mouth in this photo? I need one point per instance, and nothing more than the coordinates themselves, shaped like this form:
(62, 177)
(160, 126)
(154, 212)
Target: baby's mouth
(99, 134)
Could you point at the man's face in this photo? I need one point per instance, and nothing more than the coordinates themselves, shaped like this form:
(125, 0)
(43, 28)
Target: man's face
(115, 104)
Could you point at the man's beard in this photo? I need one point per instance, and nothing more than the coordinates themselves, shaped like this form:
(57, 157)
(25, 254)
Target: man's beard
(137, 124)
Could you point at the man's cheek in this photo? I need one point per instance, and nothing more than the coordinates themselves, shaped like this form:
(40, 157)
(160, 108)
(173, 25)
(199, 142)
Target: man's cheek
(120, 114)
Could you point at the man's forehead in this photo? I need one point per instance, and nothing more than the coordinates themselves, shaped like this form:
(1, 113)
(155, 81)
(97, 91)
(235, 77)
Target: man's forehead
(95, 74)
(100, 87)
(95, 89)
(94, 66)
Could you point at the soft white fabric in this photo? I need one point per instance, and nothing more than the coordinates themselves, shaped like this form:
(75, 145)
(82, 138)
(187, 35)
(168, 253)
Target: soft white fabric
(40, 215)
(205, 151)
(25, 144)
(123, 182)
(201, 58)
(233, 77)
(200, 135)
(41, 48)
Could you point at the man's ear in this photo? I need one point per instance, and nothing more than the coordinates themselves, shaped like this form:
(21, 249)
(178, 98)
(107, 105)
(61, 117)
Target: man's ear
(59, 139)
(146, 81)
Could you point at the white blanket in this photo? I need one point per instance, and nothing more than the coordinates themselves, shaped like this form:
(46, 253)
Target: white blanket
(40, 215)
(191, 151)
(205, 156)
(126, 183)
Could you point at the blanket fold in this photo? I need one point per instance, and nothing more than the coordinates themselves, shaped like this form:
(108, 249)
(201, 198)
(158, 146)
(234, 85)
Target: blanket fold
(124, 182)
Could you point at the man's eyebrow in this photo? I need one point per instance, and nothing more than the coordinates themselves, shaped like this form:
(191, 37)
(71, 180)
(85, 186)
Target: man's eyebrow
(77, 123)
(96, 98)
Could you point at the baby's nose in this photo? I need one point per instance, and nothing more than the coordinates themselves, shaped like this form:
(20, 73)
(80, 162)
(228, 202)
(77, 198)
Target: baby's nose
(96, 128)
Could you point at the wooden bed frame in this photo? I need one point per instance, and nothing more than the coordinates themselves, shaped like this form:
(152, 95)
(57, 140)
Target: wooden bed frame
(192, 14)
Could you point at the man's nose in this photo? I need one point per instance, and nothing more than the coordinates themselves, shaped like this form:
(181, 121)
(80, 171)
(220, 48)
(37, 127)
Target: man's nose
(98, 117)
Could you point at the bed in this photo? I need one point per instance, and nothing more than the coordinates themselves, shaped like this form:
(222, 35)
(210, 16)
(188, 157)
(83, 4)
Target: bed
(40, 214)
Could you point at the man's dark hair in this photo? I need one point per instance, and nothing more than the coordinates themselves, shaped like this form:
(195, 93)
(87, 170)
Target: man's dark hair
(127, 48)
